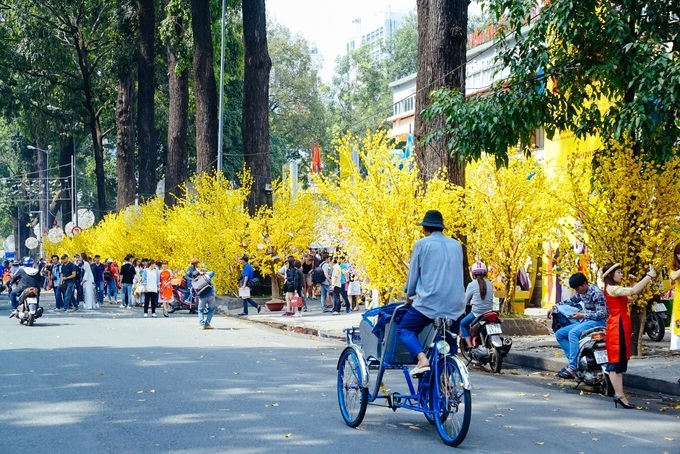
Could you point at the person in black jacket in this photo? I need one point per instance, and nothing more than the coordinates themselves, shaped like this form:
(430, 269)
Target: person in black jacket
(26, 277)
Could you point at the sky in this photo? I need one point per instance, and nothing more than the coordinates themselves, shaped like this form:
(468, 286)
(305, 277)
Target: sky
(328, 23)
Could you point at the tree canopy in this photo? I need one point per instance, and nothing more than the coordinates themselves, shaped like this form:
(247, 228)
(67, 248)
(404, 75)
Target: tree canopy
(589, 67)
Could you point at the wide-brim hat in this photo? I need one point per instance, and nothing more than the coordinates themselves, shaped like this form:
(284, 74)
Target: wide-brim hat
(433, 218)
(611, 269)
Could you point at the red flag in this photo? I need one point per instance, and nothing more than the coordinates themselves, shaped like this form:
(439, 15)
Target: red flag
(317, 165)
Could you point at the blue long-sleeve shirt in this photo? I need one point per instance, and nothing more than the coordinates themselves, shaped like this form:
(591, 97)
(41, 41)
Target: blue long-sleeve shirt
(594, 305)
(435, 277)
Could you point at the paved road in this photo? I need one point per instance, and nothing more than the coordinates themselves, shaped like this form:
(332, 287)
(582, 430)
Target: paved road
(111, 381)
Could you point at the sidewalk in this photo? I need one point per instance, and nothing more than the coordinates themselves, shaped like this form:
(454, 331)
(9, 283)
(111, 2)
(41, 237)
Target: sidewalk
(658, 370)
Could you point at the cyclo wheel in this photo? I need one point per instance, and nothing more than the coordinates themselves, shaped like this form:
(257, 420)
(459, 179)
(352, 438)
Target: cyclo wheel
(452, 403)
(352, 396)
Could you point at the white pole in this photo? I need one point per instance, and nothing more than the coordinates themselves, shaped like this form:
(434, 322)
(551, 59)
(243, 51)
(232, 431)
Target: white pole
(221, 119)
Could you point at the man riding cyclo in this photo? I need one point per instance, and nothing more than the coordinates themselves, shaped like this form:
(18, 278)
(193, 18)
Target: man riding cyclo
(434, 286)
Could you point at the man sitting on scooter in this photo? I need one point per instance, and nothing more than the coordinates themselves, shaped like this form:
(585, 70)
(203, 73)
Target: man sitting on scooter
(592, 313)
(26, 277)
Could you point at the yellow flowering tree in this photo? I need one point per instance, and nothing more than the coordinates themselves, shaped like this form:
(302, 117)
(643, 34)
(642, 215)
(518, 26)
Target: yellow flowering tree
(509, 214)
(627, 212)
(286, 228)
(373, 210)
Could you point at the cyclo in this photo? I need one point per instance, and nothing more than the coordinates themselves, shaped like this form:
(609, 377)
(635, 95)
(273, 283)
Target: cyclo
(441, 394)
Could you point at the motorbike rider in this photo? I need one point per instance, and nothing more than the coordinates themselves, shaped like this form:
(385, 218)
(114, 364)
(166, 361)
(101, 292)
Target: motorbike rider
(589, 311)
(479, 294)
(26, 277)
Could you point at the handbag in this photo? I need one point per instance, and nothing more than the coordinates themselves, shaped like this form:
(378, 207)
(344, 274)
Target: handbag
(244, 292)
(296, 300)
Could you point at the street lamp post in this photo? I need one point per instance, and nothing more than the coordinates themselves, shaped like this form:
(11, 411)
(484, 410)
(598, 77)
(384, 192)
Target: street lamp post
(45, 185)
(74, 194)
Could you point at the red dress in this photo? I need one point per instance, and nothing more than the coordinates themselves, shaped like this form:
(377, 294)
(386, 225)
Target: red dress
(166, 288)
(619, 330)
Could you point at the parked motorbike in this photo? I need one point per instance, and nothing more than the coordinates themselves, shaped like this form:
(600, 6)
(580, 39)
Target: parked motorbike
(591, 361)
(488, 343)
(182, 297)
(28, 309)
(655, 323)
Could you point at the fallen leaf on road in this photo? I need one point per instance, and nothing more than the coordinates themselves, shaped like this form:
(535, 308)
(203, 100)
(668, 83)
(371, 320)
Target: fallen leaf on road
(100, 373)
(500, 415)
(152, 391)
(594, 439)
(540, 443)
(507, 427)
(275, 405)
(522, 394)
(237, 373)
(287, 435)
(140, 392)
(546, 395)
(514, 372)
(140, 400)
(668, 438)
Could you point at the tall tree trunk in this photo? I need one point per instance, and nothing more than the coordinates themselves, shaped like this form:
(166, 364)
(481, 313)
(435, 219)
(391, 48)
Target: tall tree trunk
(257, 65)
(442, 37)
(205, 87)
(146, 125)
(125, 140)
(176, 166)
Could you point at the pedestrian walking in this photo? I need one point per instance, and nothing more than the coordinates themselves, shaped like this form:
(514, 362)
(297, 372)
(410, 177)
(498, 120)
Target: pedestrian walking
(67, 282)
(150, 282)
(98, 273)
(206, 301)
(247, 275)
(87, 283)
(165, 293)
(126, 280)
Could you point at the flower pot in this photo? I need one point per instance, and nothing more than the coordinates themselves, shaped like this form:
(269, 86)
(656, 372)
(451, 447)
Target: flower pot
(274, 306)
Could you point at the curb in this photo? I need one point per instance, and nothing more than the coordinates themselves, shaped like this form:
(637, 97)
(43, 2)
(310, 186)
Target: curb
(630, 380)
(516, 358)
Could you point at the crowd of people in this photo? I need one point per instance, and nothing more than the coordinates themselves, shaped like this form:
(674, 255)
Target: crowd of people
(332, 278)
(87, 283)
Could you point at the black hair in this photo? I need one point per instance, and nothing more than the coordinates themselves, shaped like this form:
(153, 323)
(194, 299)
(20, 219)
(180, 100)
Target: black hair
(577, 280)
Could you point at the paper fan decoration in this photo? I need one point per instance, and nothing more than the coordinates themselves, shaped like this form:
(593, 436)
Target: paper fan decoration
(55, 235)
(32, 243)
(85, 218)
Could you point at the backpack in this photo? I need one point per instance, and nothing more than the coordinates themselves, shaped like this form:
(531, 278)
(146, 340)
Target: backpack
(107, 275)
(318, 276)
(201, 285)
(289, 285)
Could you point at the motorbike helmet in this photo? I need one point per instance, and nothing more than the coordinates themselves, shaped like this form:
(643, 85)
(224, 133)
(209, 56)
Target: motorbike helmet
(478, 268)
(27, 261)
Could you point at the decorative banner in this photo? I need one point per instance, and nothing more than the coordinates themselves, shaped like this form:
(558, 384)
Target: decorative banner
(317, 164)
(32, 243)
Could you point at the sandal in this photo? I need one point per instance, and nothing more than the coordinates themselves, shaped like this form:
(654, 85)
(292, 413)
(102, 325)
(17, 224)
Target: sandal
(566, 374)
